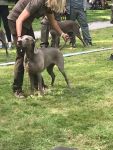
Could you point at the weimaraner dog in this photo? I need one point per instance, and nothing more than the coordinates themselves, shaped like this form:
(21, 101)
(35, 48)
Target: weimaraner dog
(40, 59)
(70, 27)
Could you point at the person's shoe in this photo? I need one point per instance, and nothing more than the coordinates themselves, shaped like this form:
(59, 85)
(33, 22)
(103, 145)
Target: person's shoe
(0, 44)
(9, 45)
(74, 46)
(19, 94)
(90, 43)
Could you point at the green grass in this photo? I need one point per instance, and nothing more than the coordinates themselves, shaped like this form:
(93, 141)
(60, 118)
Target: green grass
(78, 117)
(98, 15)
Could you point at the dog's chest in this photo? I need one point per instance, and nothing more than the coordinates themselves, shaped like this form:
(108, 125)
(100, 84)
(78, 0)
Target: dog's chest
(37, 65)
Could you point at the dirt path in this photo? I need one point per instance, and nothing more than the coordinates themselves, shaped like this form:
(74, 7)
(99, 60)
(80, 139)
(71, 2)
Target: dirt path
(99, 25)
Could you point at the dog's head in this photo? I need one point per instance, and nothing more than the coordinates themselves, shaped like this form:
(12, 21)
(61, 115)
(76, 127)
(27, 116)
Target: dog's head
(27, 42)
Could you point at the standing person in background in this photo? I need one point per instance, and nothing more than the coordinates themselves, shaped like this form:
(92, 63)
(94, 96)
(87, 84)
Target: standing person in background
(111, 18)
(45, 27)
(58, 18)
(78, 12)
(20, 22)
(68, 9)
(4, 12)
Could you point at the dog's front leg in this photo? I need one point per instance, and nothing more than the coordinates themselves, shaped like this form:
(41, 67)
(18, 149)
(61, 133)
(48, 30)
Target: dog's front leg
(40, 80)
(31, 77)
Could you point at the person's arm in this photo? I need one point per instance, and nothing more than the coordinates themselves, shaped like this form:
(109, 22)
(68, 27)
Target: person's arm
(19, 22)
(55, 25)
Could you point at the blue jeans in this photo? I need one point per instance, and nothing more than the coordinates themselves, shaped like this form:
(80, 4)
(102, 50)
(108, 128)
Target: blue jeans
(80, 16)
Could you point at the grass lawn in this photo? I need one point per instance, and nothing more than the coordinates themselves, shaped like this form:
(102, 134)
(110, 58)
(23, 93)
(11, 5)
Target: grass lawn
(98, 15)
(79, 117)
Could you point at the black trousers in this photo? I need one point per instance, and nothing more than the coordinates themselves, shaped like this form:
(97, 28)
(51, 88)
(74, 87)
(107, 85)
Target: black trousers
(4, 12)
(19, 67)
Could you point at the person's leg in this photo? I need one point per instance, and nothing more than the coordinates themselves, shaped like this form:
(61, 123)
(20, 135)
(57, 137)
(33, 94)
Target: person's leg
(73, 16)
(82, 20)
(18, 71)
(0, 20)
(111, 18)
(44, 33)
(0, 29)
(4, 14)
(19, 68)
(55, 39)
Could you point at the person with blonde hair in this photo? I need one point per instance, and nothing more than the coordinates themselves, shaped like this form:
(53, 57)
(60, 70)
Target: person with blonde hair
(20, 22)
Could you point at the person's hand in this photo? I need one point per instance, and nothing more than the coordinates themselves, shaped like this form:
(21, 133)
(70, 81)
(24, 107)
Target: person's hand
(65, 36)
(19, 41)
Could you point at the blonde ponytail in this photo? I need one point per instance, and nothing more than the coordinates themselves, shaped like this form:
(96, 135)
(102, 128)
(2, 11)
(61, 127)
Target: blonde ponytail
(56, 5)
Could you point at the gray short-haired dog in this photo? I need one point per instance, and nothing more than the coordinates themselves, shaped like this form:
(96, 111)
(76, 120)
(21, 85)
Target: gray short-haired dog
(70, 27)
(40, 59)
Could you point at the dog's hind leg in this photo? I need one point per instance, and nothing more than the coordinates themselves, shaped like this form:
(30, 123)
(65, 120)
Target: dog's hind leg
(80, 38)
(61, 69)
(55, 39)
(51, 73)
(65, 76)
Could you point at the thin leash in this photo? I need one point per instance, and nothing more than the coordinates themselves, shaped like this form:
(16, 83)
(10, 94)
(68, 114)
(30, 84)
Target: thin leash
(64, 45)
